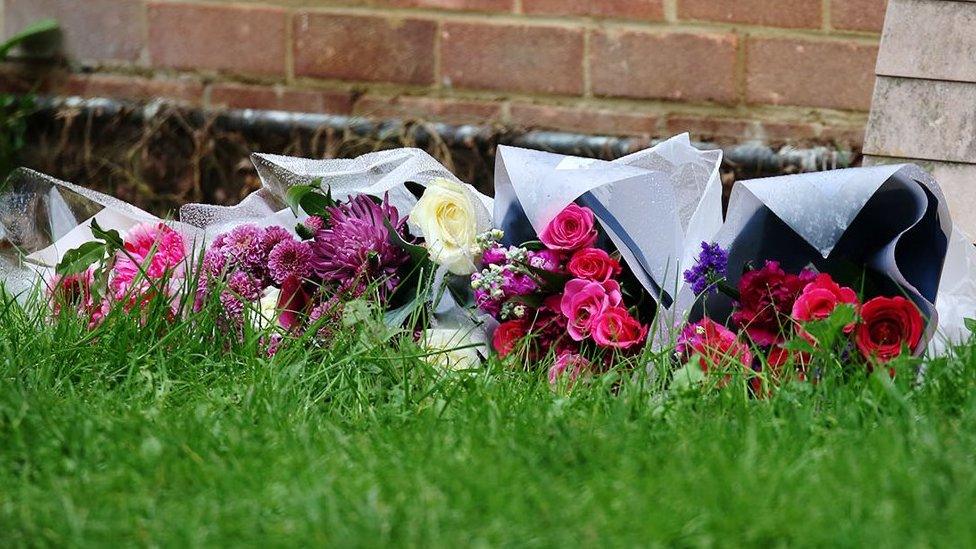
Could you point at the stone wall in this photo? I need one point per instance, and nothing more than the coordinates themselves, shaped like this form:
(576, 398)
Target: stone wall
(924, 107)
(727, 70)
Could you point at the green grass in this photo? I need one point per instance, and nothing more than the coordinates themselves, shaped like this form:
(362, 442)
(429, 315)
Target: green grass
(129, 436)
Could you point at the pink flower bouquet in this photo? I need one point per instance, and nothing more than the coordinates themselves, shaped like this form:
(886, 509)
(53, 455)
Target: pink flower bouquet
(561, 295)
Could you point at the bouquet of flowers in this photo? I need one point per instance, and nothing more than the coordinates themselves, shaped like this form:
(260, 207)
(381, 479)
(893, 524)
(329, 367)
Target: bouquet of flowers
(288, 260)
(781, 318)
(562, 295)
(148, 264)
(358, 249)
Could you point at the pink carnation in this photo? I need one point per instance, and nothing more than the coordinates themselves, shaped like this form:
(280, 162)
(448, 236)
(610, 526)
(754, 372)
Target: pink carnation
(150, 250)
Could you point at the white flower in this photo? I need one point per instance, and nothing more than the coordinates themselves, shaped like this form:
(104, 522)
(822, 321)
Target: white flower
(448, 219)
(452, 348)
(267, 314)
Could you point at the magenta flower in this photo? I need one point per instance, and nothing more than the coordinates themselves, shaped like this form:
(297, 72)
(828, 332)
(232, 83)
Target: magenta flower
(569, 365)
(314, 223)
(290, 259)
(547, 260)
(241, 288)
(355, 249)
(151, 250)
(495, 255)
(584, 301)
(245, 247)
(516, 284)
(273, 236)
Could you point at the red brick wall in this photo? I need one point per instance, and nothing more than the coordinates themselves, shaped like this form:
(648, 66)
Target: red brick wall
(776, 70)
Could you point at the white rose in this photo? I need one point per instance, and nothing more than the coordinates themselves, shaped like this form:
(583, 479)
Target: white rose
(452, 348)
(447, 218)
(267, 313)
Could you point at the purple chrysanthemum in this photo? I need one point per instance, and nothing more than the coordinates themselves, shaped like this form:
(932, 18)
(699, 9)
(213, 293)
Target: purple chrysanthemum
(356, 246)
(711, 266)
(290, 258)
(214, 262)
(273, 236)
(241, 288)
(326, 316)
(244, 246)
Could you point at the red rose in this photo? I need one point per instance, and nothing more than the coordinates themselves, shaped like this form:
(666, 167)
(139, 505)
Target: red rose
(508, 335)
(593, 264)
(614, 327)
(766, 298)
(887, 325)
(571, 229)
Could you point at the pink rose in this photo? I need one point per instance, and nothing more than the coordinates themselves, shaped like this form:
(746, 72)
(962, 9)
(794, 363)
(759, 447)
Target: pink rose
(572, 229)
(819, 299)
(569, 365)
(593, 264)
(583, 301)
(714, 344)
(614, 327)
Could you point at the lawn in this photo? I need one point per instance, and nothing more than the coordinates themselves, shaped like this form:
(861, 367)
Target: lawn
(172, 434)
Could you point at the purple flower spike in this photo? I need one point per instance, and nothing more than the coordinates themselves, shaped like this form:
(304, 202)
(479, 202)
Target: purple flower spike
(712, 265)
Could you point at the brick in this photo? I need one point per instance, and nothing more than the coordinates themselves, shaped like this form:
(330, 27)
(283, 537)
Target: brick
(781, 13)
(858, 15)
(455, 5)
(584, 120)
(29, 78)
(243, 39)
(844, 137)
(132, 88)
(279, 98)
(830, 74)
(710, 129)
(375, 49)
(92, 29)
(678, 66)
(512, 58)
(457, 111)
(648, 10)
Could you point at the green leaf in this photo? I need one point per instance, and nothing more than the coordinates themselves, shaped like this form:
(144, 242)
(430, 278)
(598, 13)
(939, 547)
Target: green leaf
(418, 254)
(396, 317)
(111, 237)
(534, 246)
(550, 280)
(34, 30)
(829, 331)
(970, 324)
(82, 257)
(688, 376)
(308, 199)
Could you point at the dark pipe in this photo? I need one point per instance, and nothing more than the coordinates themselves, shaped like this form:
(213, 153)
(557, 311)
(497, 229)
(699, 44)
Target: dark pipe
(746, 160)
